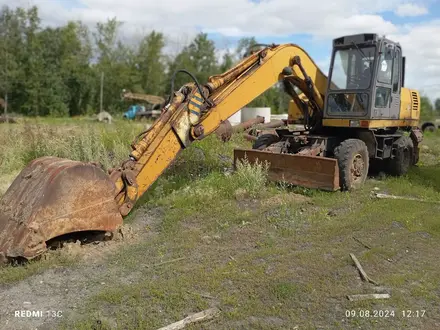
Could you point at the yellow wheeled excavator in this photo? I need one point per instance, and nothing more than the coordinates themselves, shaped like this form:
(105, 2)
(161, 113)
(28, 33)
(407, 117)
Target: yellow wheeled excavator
(361, 113)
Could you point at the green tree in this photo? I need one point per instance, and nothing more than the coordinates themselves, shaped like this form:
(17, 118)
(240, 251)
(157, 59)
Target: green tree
(75, 57)
(227, 61)
(25, 64)
(107, 43)
(437, 106)
(198, 58)
(66, 81)
(244, 46)
(53, 94)
(115, 61)
(33, 65)
(150, 65)
(44, 71)
(20, 58)
(11, 45)
(57, 71)
(426, 108)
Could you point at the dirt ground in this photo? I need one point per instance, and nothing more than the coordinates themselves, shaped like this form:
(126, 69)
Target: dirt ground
(57, 293)
(279, 261)
(266, 281)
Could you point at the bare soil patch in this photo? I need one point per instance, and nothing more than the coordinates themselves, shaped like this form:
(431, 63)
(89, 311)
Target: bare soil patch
(62, 291)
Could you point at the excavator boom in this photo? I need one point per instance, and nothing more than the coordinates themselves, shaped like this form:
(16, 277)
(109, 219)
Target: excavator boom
(52, 197)
(197, 111)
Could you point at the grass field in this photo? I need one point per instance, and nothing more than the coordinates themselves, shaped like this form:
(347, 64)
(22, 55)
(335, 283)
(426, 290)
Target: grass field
(269, 256)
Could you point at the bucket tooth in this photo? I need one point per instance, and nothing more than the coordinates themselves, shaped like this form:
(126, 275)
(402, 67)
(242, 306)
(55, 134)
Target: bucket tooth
(52, 197)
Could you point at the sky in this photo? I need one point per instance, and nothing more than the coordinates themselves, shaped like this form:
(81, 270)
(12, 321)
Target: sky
(312, 24)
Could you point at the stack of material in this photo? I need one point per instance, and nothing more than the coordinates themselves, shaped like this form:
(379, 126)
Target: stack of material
(7, 119)
(104, 117)
(251, 128)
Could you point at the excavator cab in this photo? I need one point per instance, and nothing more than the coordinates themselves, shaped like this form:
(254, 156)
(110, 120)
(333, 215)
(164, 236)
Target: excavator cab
(365, 82)
(363, 119)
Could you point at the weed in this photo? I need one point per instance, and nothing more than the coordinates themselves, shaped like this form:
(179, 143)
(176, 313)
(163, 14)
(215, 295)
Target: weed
(252, 178)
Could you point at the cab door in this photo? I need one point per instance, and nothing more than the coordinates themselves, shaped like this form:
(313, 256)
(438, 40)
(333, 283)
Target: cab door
(382, 95)
(396, 84)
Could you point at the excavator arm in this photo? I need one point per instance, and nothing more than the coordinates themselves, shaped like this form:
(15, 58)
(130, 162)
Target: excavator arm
(196, 111)
(53, 197)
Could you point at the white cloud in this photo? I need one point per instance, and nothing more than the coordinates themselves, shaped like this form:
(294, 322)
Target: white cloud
(410, 9)
(324, 64)
(229, 17)
(322, 20)
(422, 52)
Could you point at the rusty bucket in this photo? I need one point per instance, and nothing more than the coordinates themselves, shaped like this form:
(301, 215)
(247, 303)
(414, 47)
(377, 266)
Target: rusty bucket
(52, 197)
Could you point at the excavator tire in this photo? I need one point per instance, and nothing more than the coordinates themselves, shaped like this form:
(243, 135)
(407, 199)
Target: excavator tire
(353, 161)
(400, 164)
(265, 140)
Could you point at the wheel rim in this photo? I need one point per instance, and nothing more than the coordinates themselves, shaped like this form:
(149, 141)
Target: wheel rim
(357, 168)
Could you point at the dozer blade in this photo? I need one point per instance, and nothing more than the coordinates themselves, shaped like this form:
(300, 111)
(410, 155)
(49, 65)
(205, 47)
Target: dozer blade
(52, 197)
(300, 170)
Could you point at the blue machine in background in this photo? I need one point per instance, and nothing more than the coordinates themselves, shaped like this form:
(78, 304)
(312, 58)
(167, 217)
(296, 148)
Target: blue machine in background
(133, 111)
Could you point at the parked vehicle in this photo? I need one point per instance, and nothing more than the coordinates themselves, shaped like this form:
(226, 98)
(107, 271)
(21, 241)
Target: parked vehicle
(151, 109)
(431, 126)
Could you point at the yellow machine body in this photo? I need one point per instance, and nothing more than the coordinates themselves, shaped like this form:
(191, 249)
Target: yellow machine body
(52, 197)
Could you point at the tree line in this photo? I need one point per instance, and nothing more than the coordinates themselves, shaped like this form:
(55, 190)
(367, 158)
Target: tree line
(429, 110)
(56, 71)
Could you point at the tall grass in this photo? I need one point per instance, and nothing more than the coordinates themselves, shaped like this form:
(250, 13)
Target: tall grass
(252, 178)
(106, 144)
(109, 145)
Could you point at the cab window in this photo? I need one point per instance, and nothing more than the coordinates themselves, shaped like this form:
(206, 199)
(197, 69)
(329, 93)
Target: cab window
(385, 64)
(382, 97)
